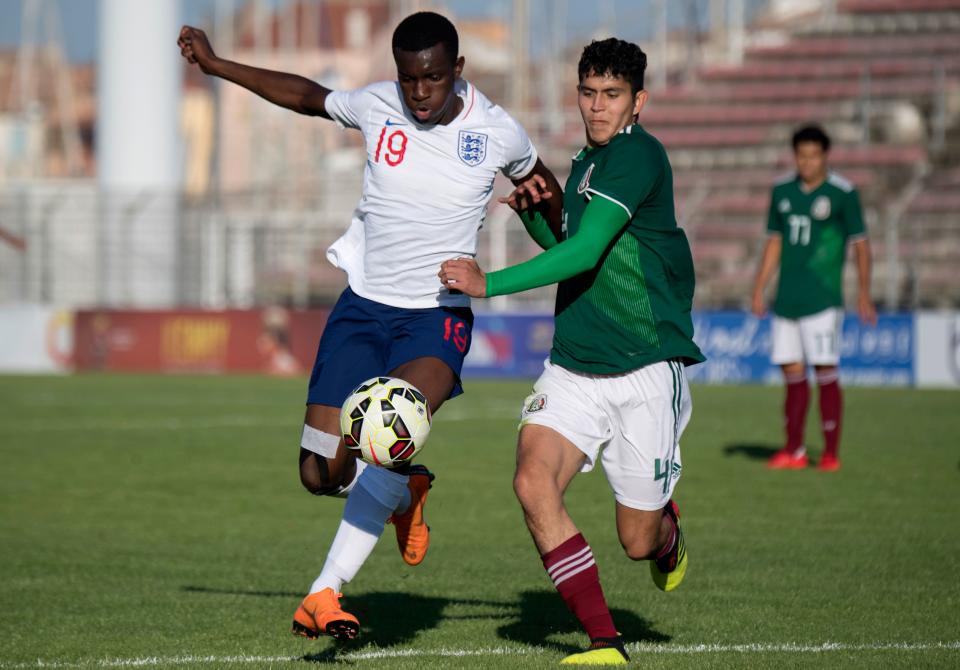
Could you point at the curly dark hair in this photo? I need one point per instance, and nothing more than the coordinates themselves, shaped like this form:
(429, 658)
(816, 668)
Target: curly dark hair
(811, 134)
(615, 58)
(424, 30)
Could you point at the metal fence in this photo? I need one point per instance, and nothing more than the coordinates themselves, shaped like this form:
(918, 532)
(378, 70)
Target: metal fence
(66, 244)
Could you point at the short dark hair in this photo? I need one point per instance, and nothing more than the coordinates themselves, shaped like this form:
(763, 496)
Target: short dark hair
(811, 134)
(424, 30)
(615, 58)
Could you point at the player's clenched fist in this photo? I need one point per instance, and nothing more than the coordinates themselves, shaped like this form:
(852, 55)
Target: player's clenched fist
(195, 47)
(464, 275)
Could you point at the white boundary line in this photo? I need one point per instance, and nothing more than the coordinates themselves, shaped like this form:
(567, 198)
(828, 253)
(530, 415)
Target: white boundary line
(644, 648)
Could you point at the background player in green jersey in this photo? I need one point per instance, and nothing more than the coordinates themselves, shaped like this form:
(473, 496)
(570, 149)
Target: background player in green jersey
(614, 388)
(814, 213)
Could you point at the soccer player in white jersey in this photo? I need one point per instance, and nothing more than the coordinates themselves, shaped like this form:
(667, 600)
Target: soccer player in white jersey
(434, 146)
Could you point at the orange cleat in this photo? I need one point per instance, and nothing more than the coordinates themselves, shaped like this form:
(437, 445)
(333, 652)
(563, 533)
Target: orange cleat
(789, 460)
(413, 534)
(828, 463)
(320, 613)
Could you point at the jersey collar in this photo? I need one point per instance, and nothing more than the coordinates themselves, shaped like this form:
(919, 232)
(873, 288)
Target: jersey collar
(628, 130)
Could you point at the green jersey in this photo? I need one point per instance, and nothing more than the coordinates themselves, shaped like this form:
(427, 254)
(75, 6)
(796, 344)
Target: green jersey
(633, 308)
(814, 227)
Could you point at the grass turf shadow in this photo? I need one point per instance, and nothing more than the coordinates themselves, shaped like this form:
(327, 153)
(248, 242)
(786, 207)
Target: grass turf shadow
(542, 614)
(390, 619)
(758, 452)
(387, 619)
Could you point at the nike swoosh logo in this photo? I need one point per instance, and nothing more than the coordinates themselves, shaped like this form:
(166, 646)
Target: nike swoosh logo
(395, 123)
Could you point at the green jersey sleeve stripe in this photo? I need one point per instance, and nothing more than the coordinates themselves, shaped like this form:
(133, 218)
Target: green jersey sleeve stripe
(611, 199)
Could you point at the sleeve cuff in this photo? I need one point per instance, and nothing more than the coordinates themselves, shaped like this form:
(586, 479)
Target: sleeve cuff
(491, 285)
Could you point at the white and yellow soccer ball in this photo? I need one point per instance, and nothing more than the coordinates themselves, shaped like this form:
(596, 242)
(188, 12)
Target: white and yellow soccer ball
(387, 420)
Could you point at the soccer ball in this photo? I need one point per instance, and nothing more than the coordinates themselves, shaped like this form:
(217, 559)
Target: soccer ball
(387, 420)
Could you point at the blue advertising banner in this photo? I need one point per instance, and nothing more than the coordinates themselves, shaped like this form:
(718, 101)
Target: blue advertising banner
(509, 345)
(737, 346)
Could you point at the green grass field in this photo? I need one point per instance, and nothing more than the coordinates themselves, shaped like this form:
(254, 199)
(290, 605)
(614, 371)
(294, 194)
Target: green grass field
(159, 522)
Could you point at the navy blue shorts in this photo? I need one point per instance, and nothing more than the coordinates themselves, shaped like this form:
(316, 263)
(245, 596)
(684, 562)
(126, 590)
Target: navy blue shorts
(364, 339)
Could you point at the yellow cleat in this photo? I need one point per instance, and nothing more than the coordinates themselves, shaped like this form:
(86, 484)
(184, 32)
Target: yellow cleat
(668, 572)
(599, 656)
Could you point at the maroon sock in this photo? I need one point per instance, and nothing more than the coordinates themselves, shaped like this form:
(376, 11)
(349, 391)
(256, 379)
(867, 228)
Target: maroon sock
(671, 540)
(575, 575)
(795, 409)
(831, 410)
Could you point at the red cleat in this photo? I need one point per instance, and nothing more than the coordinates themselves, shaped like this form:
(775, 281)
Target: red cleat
(828, 463)
(789, 460)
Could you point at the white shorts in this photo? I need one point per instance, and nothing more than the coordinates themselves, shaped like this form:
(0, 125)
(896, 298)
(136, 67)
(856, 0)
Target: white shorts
(813, 339)
(632, 421)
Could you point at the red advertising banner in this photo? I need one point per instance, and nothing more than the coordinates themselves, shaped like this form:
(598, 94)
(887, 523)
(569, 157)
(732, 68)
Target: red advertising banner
(273, 340)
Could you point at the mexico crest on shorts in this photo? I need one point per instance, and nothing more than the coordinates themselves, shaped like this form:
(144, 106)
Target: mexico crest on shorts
(472, 148)
(820, 208)
(535, 403)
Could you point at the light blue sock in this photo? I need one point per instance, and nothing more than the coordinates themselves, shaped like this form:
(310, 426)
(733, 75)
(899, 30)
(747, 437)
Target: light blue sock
(375, 496)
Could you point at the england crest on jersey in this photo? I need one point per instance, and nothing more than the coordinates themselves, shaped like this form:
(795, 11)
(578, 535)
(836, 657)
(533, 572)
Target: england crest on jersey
(473, 147)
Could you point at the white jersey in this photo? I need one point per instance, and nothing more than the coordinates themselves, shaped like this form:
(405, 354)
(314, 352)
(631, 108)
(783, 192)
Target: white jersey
(425, 190)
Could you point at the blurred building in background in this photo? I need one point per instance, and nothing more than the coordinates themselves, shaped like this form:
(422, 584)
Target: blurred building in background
(265, 191)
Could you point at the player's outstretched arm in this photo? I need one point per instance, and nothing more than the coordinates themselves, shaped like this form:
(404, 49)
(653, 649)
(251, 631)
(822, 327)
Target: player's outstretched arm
(601, 222)
(768, 263)
(865, 306)
(538, 200)
(286, 90)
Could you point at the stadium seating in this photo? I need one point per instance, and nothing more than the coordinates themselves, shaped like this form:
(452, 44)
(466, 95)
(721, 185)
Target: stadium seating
(728, 131)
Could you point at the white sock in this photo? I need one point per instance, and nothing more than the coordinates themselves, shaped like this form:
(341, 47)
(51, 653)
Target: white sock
(376, 494)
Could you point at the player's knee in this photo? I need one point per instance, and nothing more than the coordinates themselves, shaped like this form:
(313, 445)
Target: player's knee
(318, 477)
(312, 480)
(639, 547)
(639, 550)
(321, 473)
(531, 487)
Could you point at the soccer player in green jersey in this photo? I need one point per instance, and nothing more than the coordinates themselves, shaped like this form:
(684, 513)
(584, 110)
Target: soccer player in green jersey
(614, 388)
(814, 213)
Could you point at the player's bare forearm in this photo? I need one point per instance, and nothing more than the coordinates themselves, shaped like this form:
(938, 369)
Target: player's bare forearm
(865, 306)
(861, 250)
(768, 263)
(286, 90)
